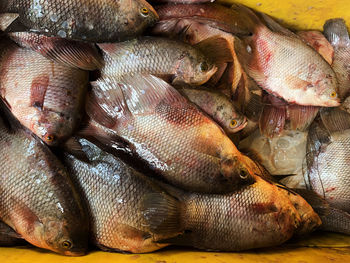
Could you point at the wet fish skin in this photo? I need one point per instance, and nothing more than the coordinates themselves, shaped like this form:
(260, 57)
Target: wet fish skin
(115, 195)
(71, 53)
(8, 237)
(162, 57)
(45, 96)
(217, 106)
(147, 118)
(283, 65)
(336, 32)
(252, 217)
(37, 197)
(327, 165)
(87, 20)
(320, 43)
(211, 14)
(333, 220)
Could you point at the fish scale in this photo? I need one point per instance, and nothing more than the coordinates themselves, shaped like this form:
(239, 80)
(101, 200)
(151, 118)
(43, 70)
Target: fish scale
(328, 165)
(36, 192)
(87, 20)
(157, 56)
(116, 201)
(46, 96)
(166, 133)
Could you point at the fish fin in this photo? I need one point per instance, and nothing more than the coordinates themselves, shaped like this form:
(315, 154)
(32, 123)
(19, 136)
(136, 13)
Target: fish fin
(38, 90)
(73, 147)
(301, 117)
(217, 76)
(216, 48)
(71, 53)
(111, 48)
(162, 213)
(275, 26)
(112, 250)
(254, 107)
(6, 19)
(272, 121)
(184, 239)
(319, 42)
(336, 220)
(335, 119)
(317, 136)
(105, 103)
(144, 92)
(336, 32)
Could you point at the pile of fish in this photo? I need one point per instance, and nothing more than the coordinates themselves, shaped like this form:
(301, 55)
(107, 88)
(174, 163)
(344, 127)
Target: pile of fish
(131, 128)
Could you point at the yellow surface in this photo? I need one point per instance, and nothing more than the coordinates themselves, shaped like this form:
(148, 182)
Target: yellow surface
(330, 248)
(300, 14)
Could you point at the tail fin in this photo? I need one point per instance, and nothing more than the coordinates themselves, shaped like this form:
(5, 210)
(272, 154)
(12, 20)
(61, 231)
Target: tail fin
(336, 32)
(162, 212)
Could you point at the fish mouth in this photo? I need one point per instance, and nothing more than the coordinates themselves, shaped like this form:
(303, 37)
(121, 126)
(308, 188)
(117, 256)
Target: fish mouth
(77, 253)
(333, 103)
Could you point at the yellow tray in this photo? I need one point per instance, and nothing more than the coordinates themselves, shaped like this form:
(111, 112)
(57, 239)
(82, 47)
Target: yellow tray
(299, 14)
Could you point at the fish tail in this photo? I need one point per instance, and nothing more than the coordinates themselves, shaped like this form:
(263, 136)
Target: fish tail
(252, 21)
(336, 32)
(162, 213)
(272, 120)
(335, 119)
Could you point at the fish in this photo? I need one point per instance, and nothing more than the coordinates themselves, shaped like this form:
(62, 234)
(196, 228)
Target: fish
(278, 115)
(47, 97)
(192, 32)
(283, 155)
(320, 43)
(327, 165)
(218, 106)
(68, 52)
(212, 14)
(8, 237)
(171, 60)
(116, 196)
(283, 65)
(337, 34)
(150, 121)
(87, 20)
(255, 216)
(310, 220)
(37, 197)
(333, 220)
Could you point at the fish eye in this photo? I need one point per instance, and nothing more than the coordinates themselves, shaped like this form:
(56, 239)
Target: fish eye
(67, 244)
(333, 94)
(49, 138)
(204, 66)
(144, 11)
(233, 123)
(243, 174)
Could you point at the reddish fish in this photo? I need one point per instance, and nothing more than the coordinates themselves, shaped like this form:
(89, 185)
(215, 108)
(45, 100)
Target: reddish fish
(45, 96)
(154, 123)
(282, 64)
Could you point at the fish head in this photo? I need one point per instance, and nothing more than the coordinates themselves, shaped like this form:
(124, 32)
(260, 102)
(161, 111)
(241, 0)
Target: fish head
(326, 90)
(139, 14)
(235, 123)
(62, 237)
(236, 171)
(194, 69)
(52, 127)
